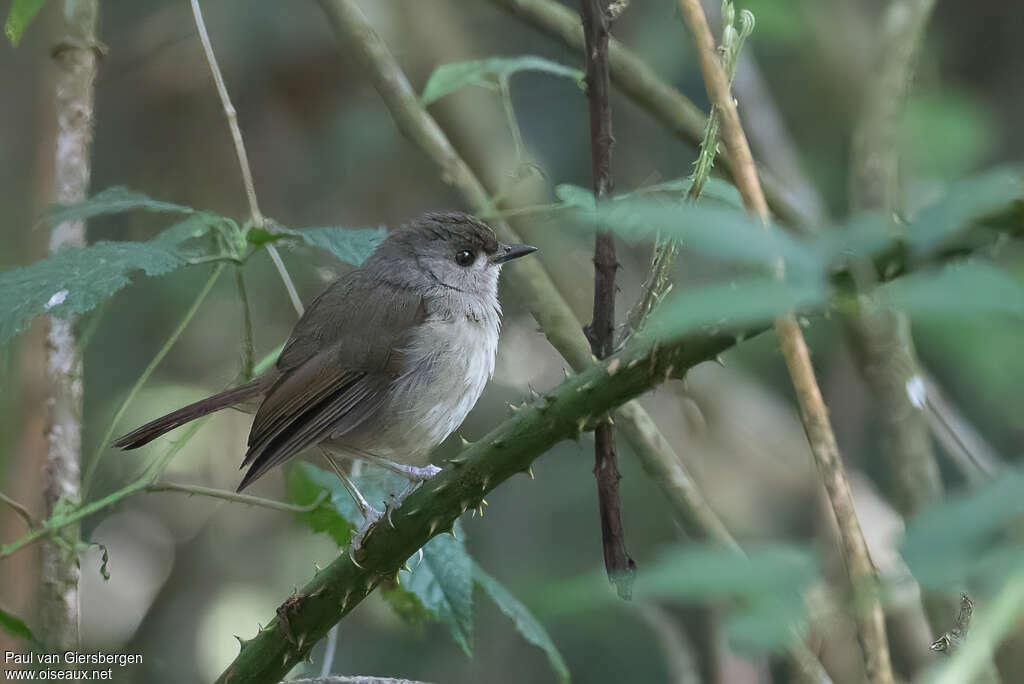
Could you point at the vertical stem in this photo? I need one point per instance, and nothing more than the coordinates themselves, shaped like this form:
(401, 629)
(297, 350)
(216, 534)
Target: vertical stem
(76, 58)
(601, 331)
(248, 350)
(243, 158)
(860, 568)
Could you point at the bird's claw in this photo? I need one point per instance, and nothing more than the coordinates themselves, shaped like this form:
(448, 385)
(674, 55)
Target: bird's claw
(371, 516)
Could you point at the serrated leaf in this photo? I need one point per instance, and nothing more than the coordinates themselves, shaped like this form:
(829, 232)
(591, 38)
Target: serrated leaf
(965, 202)
(966, 290)
(715, 231)
(351, 245)
(113, 200)
(449, 78)
(528, 625)
(76, 279)
(16, 627)
(21, 14)
(739, 302)
(443, 583)
(339, 515)
(306, 483)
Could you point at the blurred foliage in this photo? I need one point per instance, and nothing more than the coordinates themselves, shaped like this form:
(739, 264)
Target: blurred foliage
(490, 73)
(324, 152)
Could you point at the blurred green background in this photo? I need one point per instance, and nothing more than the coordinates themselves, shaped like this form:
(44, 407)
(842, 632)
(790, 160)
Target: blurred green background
(188, 573)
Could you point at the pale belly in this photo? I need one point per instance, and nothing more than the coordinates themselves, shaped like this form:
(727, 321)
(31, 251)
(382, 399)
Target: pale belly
(448, 368)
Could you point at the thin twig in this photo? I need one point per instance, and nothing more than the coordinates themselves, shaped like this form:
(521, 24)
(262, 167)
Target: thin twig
(144, 377)
(225, 495)
(248, 350)
(243, 159)
(601, 331)
(813, 412)
(19, 509)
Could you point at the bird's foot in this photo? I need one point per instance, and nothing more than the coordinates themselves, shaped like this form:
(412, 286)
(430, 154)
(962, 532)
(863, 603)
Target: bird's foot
(371, 516)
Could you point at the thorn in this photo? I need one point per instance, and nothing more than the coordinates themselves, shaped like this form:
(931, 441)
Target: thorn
(405, 566)
(484, 502)
(396, 579)
(465, 442)
(613, 366)
(299, 642)
(419, 556)
(483, 484)
(260, 628)
(611, 421)
(511, 407)
(316, 568)
(241, 642)
(565, 372)
(530, 473)
(452, 532)
(719, 360)
(344, 599)
(434, 524)
(632, 363)
(308, 658)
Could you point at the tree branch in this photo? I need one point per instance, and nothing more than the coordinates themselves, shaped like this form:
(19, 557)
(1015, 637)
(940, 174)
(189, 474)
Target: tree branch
(76, 58)
(243, 159)
(601, 331)
(508, 449)
(813, 413)
(529, 281)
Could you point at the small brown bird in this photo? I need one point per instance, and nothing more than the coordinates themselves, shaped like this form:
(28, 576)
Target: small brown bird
(384, 365)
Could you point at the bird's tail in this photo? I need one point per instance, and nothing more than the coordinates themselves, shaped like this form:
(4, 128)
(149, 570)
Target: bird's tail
(153, 429)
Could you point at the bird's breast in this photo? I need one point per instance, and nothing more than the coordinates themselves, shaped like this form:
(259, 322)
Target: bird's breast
(447, 365)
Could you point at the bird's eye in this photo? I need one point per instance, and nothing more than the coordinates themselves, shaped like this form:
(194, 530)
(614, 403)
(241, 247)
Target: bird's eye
(464, 258)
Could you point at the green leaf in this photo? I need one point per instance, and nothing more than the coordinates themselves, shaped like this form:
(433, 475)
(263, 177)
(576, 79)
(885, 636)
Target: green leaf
(760, 594)
(351, 245)
(528, 625)
(16, 627)
(970, 537)
(740, 302)
(965, 202)
(19, 17)
(113, 200)
(448, 78)
(715, 231)
(306, 483)
(443, 582)
(966, 290)
(76, 279)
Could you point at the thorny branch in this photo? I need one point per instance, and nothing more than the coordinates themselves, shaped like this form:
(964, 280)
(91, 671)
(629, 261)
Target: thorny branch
(601, 331)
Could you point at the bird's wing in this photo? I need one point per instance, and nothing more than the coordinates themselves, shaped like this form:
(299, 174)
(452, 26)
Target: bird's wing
(335, 370)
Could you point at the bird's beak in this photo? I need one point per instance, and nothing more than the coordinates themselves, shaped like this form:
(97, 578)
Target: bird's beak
(510, 252)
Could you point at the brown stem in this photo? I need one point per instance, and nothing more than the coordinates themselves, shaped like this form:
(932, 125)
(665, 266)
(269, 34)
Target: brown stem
(813, 412)
(601, 331)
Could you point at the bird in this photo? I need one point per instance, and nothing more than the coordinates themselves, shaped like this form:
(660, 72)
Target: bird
(383, 365)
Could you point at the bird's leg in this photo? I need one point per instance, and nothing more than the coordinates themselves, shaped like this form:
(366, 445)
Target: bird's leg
(370, 514)
(411, 473)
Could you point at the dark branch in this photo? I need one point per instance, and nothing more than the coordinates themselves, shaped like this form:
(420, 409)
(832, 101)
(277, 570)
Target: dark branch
(601, 331)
